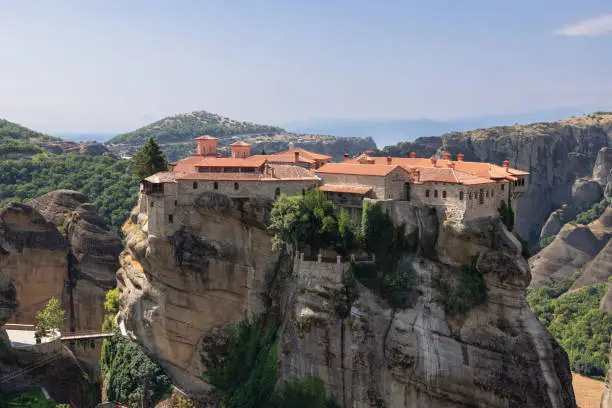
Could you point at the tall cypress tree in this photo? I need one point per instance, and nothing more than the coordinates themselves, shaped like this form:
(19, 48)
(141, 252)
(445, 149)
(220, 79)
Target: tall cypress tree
(149, 159)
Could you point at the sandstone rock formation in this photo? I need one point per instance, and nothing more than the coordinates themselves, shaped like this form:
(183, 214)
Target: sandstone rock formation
(603, 167)
(178, 293)
(577, 250)
(585, 193)
(34, 255)
(94, 254)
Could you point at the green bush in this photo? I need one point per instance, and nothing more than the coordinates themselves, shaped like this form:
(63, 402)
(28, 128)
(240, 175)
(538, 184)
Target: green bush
(506, 214)
(594, 212)
(381, 237)
(470, 291)
(245, 370)
(130, 376)
(395, 286)
(310, 219)
(544, 242)
(525, 247)
(307, 392)
(349, 293)
(577, 323)
(33, 398)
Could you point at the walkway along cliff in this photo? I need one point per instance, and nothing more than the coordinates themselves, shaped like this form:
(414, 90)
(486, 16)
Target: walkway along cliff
(212, 264)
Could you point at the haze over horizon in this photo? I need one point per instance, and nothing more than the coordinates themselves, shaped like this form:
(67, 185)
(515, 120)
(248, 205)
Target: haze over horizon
(111, 67)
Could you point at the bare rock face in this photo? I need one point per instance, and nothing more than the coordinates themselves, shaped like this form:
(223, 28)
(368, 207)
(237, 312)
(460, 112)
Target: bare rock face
(603, 166)
(555, 154)
(178, 293)
(580, 250)
(94, 254)
(585, 193)
(34, 255)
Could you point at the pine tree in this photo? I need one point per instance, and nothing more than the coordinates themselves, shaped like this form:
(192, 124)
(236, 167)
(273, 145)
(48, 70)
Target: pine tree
(149, 159)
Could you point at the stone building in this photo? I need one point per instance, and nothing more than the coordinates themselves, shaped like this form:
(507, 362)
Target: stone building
(459, 190)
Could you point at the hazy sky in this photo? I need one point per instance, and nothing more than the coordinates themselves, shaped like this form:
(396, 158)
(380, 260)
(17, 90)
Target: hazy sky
(111, 66)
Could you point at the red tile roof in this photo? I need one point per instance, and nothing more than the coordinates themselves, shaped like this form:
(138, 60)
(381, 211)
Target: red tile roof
(343, 188)
(281, 172)
(240, 143)
(285, 158)
(308, 154)
(357, 169)
(206, 137)
(231, 162)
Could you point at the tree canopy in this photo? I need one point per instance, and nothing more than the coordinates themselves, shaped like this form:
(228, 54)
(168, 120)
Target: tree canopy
(50, 318)
(149, 159)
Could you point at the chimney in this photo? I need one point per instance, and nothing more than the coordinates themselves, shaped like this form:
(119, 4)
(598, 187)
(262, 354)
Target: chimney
(412, 155)
(506, 164)
(433, 161)
(451, 165)
(297, 157)
(460, 157)
(447, 156)
(389, 160)
(346, 156)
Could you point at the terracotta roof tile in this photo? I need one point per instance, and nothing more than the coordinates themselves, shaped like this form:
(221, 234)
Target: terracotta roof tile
(357, 169)
(281, 172)
(163, 177)
(231, 162)
(206, 137)
(343, 188)
(240, 143)
(307, 153)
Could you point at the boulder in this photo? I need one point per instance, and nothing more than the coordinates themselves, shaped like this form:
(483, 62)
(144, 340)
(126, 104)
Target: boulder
(585, 193)
(603, 167)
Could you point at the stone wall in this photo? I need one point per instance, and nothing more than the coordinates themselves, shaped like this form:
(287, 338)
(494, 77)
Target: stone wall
(382, 187)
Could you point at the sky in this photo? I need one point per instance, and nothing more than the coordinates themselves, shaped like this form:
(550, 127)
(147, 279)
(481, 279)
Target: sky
(113, 66)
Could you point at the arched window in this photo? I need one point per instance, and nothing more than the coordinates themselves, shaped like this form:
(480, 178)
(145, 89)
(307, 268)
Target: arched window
(195, 185)
(435, 193)
(235, 186)
(277, 192)
(216, 185)
(426, 193)
(443, 193)
(461, 195)
(170, 218)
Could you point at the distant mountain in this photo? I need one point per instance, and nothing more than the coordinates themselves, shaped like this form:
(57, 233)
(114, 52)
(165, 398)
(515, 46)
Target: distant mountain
(176, 135)
(85, 137)
(17, 142)
(391, 131)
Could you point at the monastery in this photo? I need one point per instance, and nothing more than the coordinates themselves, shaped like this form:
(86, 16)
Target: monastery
(459, 190)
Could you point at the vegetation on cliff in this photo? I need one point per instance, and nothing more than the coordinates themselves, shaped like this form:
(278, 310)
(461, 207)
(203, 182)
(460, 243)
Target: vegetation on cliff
(594, 212)
(244, 370)
(311, 219)
(130, 377)
(51, 317)
(470, 291)
(149, 159)
(108, 183)
(33, 398)
(577, 323)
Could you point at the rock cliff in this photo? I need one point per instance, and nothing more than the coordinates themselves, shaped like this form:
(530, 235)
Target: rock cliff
(555, 153)
(179, 293)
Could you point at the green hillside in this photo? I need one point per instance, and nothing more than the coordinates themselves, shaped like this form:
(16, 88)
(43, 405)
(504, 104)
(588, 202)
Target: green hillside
(19, 140)
(176, 134)
(187, 126)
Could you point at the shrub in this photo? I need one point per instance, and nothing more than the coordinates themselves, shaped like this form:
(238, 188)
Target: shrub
(594, 212)
(381, 237)
(525, 247)
(348, 294)
(470, 291)
(506, 214)
(395, 286)
(245, 371)
(544, 242)
(307, 392)
(130, 376)
(50, 318)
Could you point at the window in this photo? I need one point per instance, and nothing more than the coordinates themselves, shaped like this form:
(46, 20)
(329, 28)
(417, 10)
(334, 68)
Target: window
(195, 185)
(492, 191)
(152, 204)
(461, 195)
(470, 196)
(443, 193)
(175, 203)
(435, 193)
(216, 185)
(277, 192)
(502, 187)
(170, 218)
(235, 186)
(426, 193)
(487, 193)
